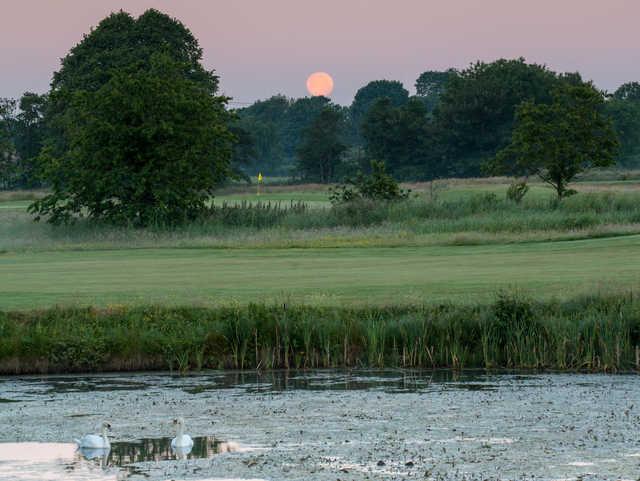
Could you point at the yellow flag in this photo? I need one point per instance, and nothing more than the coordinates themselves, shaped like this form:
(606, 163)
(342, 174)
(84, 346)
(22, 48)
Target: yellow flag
(260, 177)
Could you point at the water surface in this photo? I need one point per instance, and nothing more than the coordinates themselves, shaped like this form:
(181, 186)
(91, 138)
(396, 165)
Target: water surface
(326, 425)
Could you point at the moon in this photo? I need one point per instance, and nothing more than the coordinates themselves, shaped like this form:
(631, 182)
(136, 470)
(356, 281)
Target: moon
(320, 83)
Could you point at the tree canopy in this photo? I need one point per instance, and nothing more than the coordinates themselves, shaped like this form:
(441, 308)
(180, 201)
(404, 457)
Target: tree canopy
(431, 84)
(629, 91)
(559, 140)
(139, 135)
(321, 147)
(368, 95)
(7, 149)
(396, 136)
(476, 112)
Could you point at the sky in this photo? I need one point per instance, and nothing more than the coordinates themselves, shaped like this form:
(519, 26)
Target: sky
(264, 47)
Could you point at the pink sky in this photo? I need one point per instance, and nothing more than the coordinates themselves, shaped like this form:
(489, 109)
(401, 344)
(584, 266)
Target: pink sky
(264, 47)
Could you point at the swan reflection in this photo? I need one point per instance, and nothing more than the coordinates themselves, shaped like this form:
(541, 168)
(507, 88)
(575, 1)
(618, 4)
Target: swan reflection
(67, 462)
(182, 452)
(95, 453)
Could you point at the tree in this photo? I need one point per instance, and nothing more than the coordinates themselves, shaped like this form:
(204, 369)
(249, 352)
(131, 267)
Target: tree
(475, 114)
(623, 107)
(244, 150)
(321, 149)
(301, 114)
(557, 141)
(625, 116)
(264, 123)
(29, 134)
(276, 127)
(431, 84)
(396, 136)
(143, 137)
(368, 95)
(7, 150)
(629, 91)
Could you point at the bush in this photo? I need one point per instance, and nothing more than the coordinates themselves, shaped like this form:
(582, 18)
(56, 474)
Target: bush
(377, 186)
(517, 191)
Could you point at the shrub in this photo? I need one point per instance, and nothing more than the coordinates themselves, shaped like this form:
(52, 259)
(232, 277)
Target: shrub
(376, 186)
(517, 191)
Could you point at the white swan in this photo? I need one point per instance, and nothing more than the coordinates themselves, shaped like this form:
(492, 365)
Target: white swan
(182, 440)
(95, 441)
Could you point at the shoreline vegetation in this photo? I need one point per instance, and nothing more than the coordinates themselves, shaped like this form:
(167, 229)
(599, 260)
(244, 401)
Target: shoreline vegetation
(590, 333)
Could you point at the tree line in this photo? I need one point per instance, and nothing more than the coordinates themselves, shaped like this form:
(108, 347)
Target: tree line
(454, 126)
(134, 130)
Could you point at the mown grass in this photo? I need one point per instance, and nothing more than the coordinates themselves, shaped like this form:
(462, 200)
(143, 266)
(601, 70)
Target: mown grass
(327, 276)
(596, 333)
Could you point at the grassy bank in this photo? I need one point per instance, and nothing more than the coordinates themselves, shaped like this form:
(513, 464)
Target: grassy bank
(591, 333)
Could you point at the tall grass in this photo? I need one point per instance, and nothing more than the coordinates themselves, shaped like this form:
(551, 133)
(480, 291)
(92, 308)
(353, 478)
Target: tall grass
(273, 223)
(588, 333)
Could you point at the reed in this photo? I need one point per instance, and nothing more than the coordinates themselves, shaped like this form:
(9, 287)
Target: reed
(596, 333)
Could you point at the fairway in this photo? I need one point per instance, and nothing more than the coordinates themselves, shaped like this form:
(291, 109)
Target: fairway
(374, 276)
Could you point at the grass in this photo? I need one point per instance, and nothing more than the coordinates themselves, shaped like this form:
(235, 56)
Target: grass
(596, 333)
(462, 248)
(330, 276)
(468, 217)
(284, 280)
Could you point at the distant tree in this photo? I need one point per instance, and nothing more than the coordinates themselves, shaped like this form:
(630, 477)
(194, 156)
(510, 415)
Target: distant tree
(559, 140)
(244, 150)
(7, 149)
(321, 149)
(625, 116)
(138, 133)
(29, 134)
(276, 126)
(366, 96)
(396, 136)
(431, 84)
(301, 114)
(264, 122)
(629, 92)
(476, 112)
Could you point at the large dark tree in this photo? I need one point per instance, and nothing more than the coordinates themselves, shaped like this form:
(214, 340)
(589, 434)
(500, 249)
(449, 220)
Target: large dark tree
(559, 140)
(321, 148)
(138, 133)
(476, 112)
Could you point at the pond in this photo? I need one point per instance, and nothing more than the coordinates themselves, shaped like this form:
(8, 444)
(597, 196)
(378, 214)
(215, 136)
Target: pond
(324, 425)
